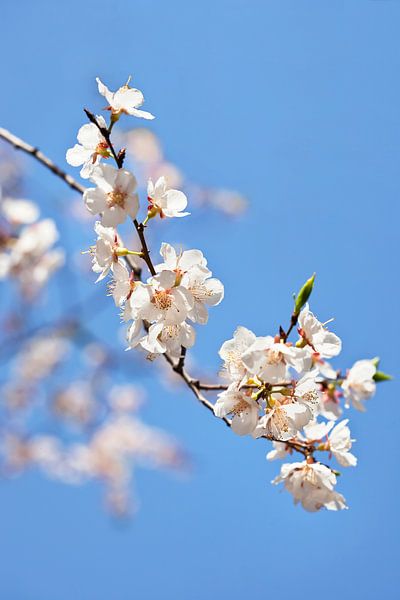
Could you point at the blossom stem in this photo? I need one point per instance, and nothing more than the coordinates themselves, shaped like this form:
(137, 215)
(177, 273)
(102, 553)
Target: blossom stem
(119, 158)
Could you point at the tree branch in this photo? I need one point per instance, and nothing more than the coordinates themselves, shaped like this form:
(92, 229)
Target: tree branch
(42, 158)
(194, 385)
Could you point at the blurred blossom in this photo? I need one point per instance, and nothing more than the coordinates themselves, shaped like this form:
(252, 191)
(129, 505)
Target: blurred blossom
(19, 212)
(30, 258)
(125, 398)
(40, 356)
(76, 403)
(94, 354)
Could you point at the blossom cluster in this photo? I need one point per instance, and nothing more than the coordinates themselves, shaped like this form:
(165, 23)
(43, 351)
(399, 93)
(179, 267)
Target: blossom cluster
(26, 245)
(181, 288)
(284, 391)
(273, 388)
(109, 439)
(280, 391)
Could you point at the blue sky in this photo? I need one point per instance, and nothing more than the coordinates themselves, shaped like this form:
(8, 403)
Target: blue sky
(296, 104)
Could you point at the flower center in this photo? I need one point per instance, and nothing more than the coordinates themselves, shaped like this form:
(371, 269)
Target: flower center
(280, 419)
(162, 299)
(274, 357)
(240, 407)
(169, 332)
(116, 198)
(311, 397)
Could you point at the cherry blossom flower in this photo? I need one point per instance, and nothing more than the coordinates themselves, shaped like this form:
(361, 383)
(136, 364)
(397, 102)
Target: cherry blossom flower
(168, 337)
(283, 420)
(122, 287)
(180, 263)
(286, 415)
(166, 301)
(232, 351)
(322, 341)
(340, 443)
(269, 359)
(311, 484)
(165, 202)
(91, 149)
(241, 406)
(359, 384)
(192, 273)
(279, 450)
(125, 100)
(104, 253)
(338, 440)
(113, 198)
(329, 405)
(205, 291)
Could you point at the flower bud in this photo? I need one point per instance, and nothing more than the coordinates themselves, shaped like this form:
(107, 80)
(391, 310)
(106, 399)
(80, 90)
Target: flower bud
(381, 376)
(303, 295)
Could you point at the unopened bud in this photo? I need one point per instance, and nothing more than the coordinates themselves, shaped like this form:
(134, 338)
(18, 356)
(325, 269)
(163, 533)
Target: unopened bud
(303, 295)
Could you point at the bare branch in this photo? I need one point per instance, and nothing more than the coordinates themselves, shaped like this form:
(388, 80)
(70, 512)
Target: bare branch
(42, 158)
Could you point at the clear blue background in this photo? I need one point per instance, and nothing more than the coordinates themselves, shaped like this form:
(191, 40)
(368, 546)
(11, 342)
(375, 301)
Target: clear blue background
(297, 104)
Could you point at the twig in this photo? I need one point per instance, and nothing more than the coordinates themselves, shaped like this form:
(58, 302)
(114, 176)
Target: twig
(119, 158)
(42, 158)
(146, 254)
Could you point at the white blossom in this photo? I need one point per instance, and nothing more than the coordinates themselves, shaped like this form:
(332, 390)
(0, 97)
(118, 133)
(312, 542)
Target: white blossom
(232, 351)
(125, 100)
(123, 285)
(241, 406)
(113, 198)
(104, 253)
(279, 450)
(181, 262)
(168, 337)
(269, 359)
(359, 384)
(340, 443)
(283, 420)
(205, 291)
(165, 202)
(322, 341)
(165, 301)
(91, 149)
(311, 484)
(190, 267)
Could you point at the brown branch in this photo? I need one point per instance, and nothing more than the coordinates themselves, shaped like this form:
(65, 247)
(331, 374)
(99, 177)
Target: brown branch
(146, 254)
(106, 133)
(42, 158)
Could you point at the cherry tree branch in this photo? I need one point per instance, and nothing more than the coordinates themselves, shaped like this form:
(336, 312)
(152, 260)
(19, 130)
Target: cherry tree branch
(193, 384)
(42, 158)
